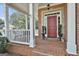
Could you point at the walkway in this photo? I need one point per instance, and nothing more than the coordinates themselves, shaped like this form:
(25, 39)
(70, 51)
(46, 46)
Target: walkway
(49, 47)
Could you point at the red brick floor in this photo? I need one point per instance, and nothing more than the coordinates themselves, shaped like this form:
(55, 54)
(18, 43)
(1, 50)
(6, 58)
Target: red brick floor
(8, 54)
(49, 47)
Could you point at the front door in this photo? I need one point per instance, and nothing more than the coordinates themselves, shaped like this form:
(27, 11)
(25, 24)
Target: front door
(52, 26)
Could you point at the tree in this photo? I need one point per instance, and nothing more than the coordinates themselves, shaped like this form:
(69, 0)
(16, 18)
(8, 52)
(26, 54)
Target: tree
(1, 22)
(18, 20)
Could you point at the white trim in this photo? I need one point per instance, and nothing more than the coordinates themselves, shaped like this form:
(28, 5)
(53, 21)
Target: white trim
(52, 15)
(57, 25)
(71, 37)
(51, 12)
(32, 33)
(6, 16)
(70, 52)
(19, 42)
(47, 27)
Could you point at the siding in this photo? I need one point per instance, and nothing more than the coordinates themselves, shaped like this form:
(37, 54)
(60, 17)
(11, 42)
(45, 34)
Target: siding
(77, 28)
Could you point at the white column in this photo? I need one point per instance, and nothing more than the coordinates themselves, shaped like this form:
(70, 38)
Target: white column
(27, 16)
(32, 33)
(6, 15)
(71, 23)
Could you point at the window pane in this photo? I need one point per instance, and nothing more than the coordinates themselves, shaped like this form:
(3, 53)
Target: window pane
(17, 26)
(17, 19)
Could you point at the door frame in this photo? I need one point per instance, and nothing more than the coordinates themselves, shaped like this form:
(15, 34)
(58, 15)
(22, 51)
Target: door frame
(51, 12)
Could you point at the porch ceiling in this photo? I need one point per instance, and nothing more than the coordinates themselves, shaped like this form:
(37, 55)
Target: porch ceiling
(42, 5)
(19, 6)
(23, 7)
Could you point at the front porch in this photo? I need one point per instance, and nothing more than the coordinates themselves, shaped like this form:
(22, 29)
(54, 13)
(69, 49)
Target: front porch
(23, 39)
(49, 47)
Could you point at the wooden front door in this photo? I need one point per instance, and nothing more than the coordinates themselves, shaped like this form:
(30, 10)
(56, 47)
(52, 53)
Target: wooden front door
(52, 26)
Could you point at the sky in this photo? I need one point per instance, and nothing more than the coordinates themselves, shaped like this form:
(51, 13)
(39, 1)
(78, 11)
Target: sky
(2, 10)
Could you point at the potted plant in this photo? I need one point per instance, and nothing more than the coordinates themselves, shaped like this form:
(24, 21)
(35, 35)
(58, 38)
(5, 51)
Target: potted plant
(60, 31)
(3, 44)
(43, 31)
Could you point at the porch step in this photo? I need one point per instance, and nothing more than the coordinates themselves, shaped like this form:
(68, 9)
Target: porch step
(37, 53)
(54, 51)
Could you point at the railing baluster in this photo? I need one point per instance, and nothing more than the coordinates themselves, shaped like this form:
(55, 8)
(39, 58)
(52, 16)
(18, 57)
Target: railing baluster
(19, 35)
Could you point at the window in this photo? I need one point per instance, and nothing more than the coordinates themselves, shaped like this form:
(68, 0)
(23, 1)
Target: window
(17, 26)
(17, 20)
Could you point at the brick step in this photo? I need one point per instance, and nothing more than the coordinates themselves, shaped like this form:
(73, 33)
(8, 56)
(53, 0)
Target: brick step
(37, 53)
(53, 51)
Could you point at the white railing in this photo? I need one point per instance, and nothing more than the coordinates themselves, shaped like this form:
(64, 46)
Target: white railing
(19, 36)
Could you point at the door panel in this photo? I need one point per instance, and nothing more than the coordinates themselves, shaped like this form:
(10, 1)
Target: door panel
(52, 26)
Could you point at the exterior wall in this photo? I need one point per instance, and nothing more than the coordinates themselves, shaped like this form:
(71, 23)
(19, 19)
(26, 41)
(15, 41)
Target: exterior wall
(54, 8)
(77, 25)
(20, 49)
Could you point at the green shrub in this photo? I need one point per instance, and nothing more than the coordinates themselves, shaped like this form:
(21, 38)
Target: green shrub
(60, 31)
(44, 29)
(0, 34)
(3, 44)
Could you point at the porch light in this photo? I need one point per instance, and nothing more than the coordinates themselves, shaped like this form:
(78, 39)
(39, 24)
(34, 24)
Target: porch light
(48, 5)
